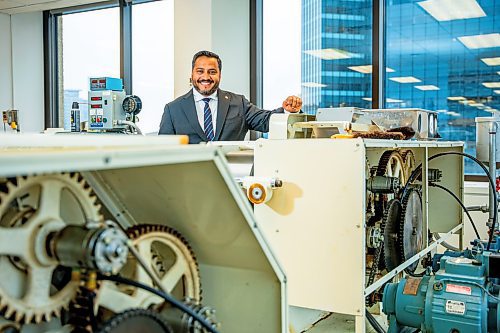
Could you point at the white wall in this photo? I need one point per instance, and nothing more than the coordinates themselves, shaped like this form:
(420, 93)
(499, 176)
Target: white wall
(27, 68)
(5, 63)
(220, 26)
(231, 41)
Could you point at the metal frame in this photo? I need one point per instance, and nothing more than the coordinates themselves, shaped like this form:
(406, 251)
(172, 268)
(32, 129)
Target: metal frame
(50, 35)
(378, 56)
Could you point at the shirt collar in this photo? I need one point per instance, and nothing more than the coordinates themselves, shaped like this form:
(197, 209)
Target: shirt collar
(198, 97)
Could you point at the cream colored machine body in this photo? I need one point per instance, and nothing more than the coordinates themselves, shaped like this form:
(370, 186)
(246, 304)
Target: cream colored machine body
(137, 180)
(317, 221)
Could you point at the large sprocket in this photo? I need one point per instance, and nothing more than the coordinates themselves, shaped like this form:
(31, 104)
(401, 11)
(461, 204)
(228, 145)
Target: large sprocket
(31, 208)
(168, 253)
(410, 234)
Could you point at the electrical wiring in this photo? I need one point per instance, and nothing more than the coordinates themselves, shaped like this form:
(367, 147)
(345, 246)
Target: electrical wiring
(178, 304)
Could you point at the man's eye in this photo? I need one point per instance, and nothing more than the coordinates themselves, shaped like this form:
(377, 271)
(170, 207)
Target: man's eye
(212, 72)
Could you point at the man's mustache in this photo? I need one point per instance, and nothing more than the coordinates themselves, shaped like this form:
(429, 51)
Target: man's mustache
(207, 81)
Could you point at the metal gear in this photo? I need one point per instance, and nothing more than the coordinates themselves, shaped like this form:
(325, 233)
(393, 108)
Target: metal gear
(170, 255)
(31, 208)
(409, 162)
(392, 220)
(136, 320)
(410, 234)
(391, 164)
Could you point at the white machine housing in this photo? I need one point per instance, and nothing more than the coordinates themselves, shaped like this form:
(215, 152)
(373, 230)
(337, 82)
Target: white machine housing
(189, 188)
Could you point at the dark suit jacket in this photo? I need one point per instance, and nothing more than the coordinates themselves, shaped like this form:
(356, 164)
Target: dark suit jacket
(235, 116)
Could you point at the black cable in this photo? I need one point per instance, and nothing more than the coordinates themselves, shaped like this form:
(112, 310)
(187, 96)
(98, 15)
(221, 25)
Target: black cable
(490, 181)
(460, 203)
(179, 305)
(375, 324)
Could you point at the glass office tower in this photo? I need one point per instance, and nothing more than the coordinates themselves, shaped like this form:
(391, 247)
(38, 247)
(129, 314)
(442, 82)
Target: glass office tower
(441, 55)
(336, 53)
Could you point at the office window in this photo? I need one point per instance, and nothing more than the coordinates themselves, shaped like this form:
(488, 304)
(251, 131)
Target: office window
(281, 51)
(153, 60)
(90, 47)
(333, 57)
(445, 56)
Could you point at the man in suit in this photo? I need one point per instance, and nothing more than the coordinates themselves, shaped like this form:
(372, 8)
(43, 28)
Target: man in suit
(207, 113)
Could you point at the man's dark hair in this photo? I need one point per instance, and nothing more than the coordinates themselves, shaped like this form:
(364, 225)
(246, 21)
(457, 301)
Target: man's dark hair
(206, 54)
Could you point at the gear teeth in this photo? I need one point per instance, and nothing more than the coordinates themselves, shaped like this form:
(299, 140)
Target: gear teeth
(9, 312)
(12, 189)
(19, 316)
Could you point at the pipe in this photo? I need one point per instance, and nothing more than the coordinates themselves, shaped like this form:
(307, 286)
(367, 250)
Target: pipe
(492, 168)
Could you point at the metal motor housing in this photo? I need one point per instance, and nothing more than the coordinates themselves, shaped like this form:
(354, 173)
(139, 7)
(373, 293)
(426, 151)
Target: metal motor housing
(462, 296)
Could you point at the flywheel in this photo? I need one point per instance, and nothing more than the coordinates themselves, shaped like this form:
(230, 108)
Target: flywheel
(170, 255)
(32, 208)
(392, 221)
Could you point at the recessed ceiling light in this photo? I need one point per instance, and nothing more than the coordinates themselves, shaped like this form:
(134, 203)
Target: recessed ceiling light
(447, 10)
(481, 41)
(457, 98)
(491, 84)
(491, 61)
(496, 91)
(367, 69)
(476, 104)
(367, 99)
(392, 100)
(405, 79)
(330, 54)
(313, 85)
(468, 101)
(427, 87)
(455, 114)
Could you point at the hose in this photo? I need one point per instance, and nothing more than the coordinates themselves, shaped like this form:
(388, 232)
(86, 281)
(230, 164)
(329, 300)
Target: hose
(491, 182)
(178, 304)
(446, 245)
(461, 205)
(375, 324)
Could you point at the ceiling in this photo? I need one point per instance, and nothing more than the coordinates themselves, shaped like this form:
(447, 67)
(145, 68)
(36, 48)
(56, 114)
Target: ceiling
(23, 6)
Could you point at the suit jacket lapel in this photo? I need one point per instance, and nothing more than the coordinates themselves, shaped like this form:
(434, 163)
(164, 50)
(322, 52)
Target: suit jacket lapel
(222, 108)
(189, 109)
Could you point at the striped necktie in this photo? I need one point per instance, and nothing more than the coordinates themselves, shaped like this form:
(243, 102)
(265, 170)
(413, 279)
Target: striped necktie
(208, 126)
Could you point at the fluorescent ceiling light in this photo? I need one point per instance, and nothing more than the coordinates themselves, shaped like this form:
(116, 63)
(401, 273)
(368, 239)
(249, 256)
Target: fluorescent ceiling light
(481, 41)
(313, 85)
(330, 54)
(405, 79)
(428, 87)
(456, 114)
(468, 101)
(388, 100)
(457, 98)
(448, 10)
(496, 91)
(491, 61)
(498, 73)
(368, 69)
(491, 84)
(476, 104)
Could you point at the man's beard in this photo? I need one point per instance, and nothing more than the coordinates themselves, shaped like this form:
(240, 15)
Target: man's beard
(206, 92)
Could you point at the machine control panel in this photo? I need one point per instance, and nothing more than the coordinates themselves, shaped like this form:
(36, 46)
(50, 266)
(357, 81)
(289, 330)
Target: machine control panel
(105, 109)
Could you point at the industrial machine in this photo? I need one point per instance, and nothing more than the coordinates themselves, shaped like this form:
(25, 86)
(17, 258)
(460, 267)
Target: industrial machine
(168, 218)
(462, 294)
(10, 120)
(344, 221)
(109, 107)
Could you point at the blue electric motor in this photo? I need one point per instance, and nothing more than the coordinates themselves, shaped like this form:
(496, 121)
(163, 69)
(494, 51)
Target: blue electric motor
(461, 297)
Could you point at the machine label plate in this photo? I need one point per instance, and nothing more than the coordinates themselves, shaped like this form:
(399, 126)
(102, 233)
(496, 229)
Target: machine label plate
(455, 307)
(411, 286)
(458, 289)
